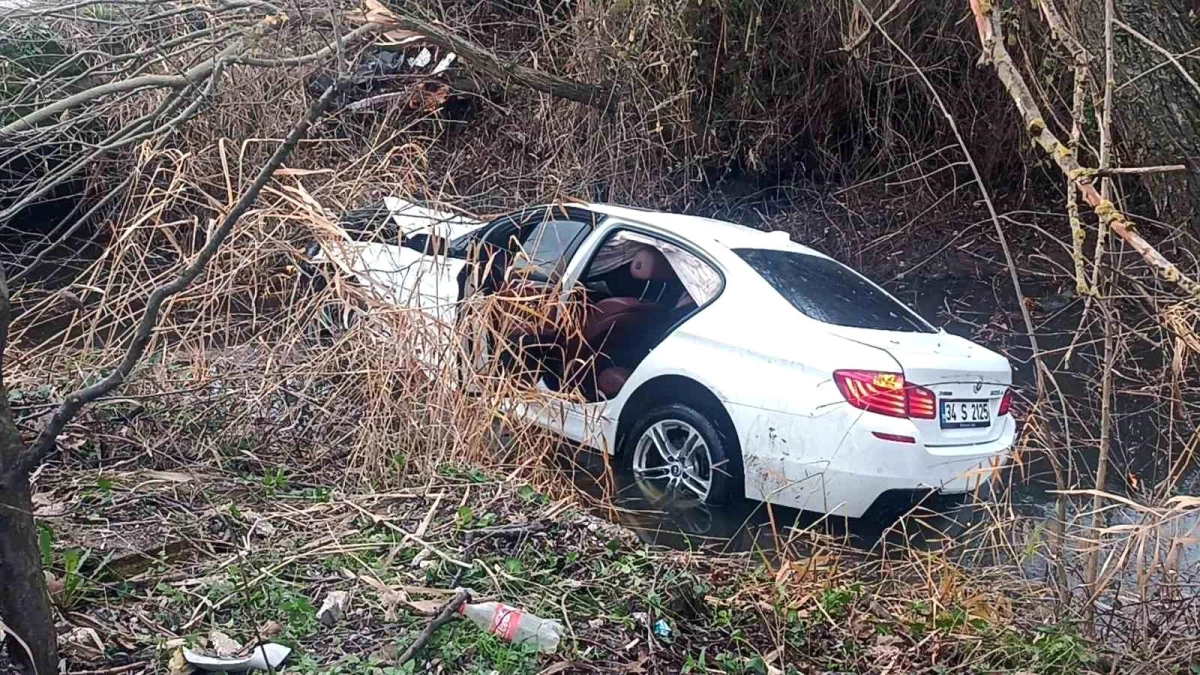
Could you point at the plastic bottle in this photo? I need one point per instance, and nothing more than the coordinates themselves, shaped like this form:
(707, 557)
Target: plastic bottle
(514, 625)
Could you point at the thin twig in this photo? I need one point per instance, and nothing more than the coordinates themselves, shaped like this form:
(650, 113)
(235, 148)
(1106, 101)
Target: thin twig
(1140, 170)
(1171, 58)
(445, 616)
(978, 179)
(1068, 162)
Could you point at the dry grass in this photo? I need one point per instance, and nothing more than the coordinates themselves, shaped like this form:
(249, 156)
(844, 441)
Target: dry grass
(312, 436)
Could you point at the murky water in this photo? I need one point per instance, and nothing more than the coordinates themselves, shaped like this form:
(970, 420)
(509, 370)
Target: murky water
(744, 525)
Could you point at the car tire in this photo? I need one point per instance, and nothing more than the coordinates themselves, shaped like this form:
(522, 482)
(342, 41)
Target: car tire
(686, 430)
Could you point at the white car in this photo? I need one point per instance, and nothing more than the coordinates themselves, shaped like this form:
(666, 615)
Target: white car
(723, 361)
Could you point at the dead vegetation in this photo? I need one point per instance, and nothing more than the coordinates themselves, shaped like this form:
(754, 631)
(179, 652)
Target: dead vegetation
(252, 465)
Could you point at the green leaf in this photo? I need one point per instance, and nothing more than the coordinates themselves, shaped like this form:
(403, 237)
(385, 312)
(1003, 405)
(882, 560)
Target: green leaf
(71, 559)
(46, 544)
(513, 566)
(464, 516)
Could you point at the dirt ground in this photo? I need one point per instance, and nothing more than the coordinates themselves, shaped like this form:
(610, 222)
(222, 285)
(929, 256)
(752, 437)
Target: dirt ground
(152, 550)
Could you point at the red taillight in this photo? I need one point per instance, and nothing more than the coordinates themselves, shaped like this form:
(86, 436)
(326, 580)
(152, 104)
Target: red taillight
(1005, 403)
(922, 404)
(881, 393)
(886, 394)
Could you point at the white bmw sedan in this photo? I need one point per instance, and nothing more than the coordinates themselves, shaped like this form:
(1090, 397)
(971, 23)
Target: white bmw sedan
(723, 361)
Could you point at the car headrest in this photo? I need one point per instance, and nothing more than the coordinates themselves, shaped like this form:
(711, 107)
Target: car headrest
(649, 264)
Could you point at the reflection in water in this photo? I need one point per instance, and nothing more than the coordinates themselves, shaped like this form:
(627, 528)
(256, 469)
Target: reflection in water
(680, 522)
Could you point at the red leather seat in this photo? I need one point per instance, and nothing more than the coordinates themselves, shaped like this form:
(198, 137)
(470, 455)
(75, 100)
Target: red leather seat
(610, 380)
(609, 332)
(621, 314)
(613, 314)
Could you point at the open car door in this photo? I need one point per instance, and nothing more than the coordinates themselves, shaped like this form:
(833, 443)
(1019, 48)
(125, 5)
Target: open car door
(639, 286)
(512, 286)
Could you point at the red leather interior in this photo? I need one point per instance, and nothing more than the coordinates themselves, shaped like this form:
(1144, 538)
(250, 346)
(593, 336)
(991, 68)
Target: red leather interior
(612, 314)
(610, 380)
(623, 318)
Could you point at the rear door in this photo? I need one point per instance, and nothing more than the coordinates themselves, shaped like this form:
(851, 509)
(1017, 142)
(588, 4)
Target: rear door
(593, 422)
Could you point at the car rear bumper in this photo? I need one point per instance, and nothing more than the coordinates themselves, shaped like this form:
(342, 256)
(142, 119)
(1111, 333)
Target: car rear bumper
(836, 464)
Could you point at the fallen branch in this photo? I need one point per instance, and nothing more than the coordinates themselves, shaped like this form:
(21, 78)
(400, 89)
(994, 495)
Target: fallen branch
(444, 616)
(189, 78)
(1067, 161)
(505, 71)
(518, 530)
(232, 54)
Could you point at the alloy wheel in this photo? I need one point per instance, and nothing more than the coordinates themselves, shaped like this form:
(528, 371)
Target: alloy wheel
(673, 457)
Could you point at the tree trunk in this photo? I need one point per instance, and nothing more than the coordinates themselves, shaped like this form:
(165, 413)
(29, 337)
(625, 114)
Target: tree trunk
(24, 603)
(1158, 115)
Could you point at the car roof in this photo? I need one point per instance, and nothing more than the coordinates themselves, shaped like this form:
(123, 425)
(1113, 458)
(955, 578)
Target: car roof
(705, 231)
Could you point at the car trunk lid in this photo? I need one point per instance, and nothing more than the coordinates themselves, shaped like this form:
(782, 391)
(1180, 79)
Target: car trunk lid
(968, 381)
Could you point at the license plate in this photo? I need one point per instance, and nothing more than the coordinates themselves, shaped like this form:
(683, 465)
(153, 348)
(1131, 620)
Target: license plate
(965, 414)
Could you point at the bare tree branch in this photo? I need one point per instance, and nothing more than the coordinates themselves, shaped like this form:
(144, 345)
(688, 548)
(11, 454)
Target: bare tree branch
(45, 442)
(95, 208)
(304, 59)
(1140, 170)
(192, 76)
(231, 54)
(445, 615)
(1068, 161)
(983, 191)
(1171, 58)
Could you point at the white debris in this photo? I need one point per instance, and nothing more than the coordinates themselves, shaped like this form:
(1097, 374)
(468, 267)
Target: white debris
(266, 657)
(333, 608)
(422, 59)
(444, 64)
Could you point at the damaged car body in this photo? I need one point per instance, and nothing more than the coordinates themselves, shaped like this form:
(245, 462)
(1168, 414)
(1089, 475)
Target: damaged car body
(713, 360)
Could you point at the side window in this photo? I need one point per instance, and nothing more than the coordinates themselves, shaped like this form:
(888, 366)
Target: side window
(631, 264)
(547, 248)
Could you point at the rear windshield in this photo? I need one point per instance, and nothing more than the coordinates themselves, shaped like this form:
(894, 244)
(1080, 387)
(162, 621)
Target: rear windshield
(828, 291)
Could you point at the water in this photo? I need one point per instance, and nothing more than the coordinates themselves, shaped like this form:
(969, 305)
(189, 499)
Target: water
(741, 526)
